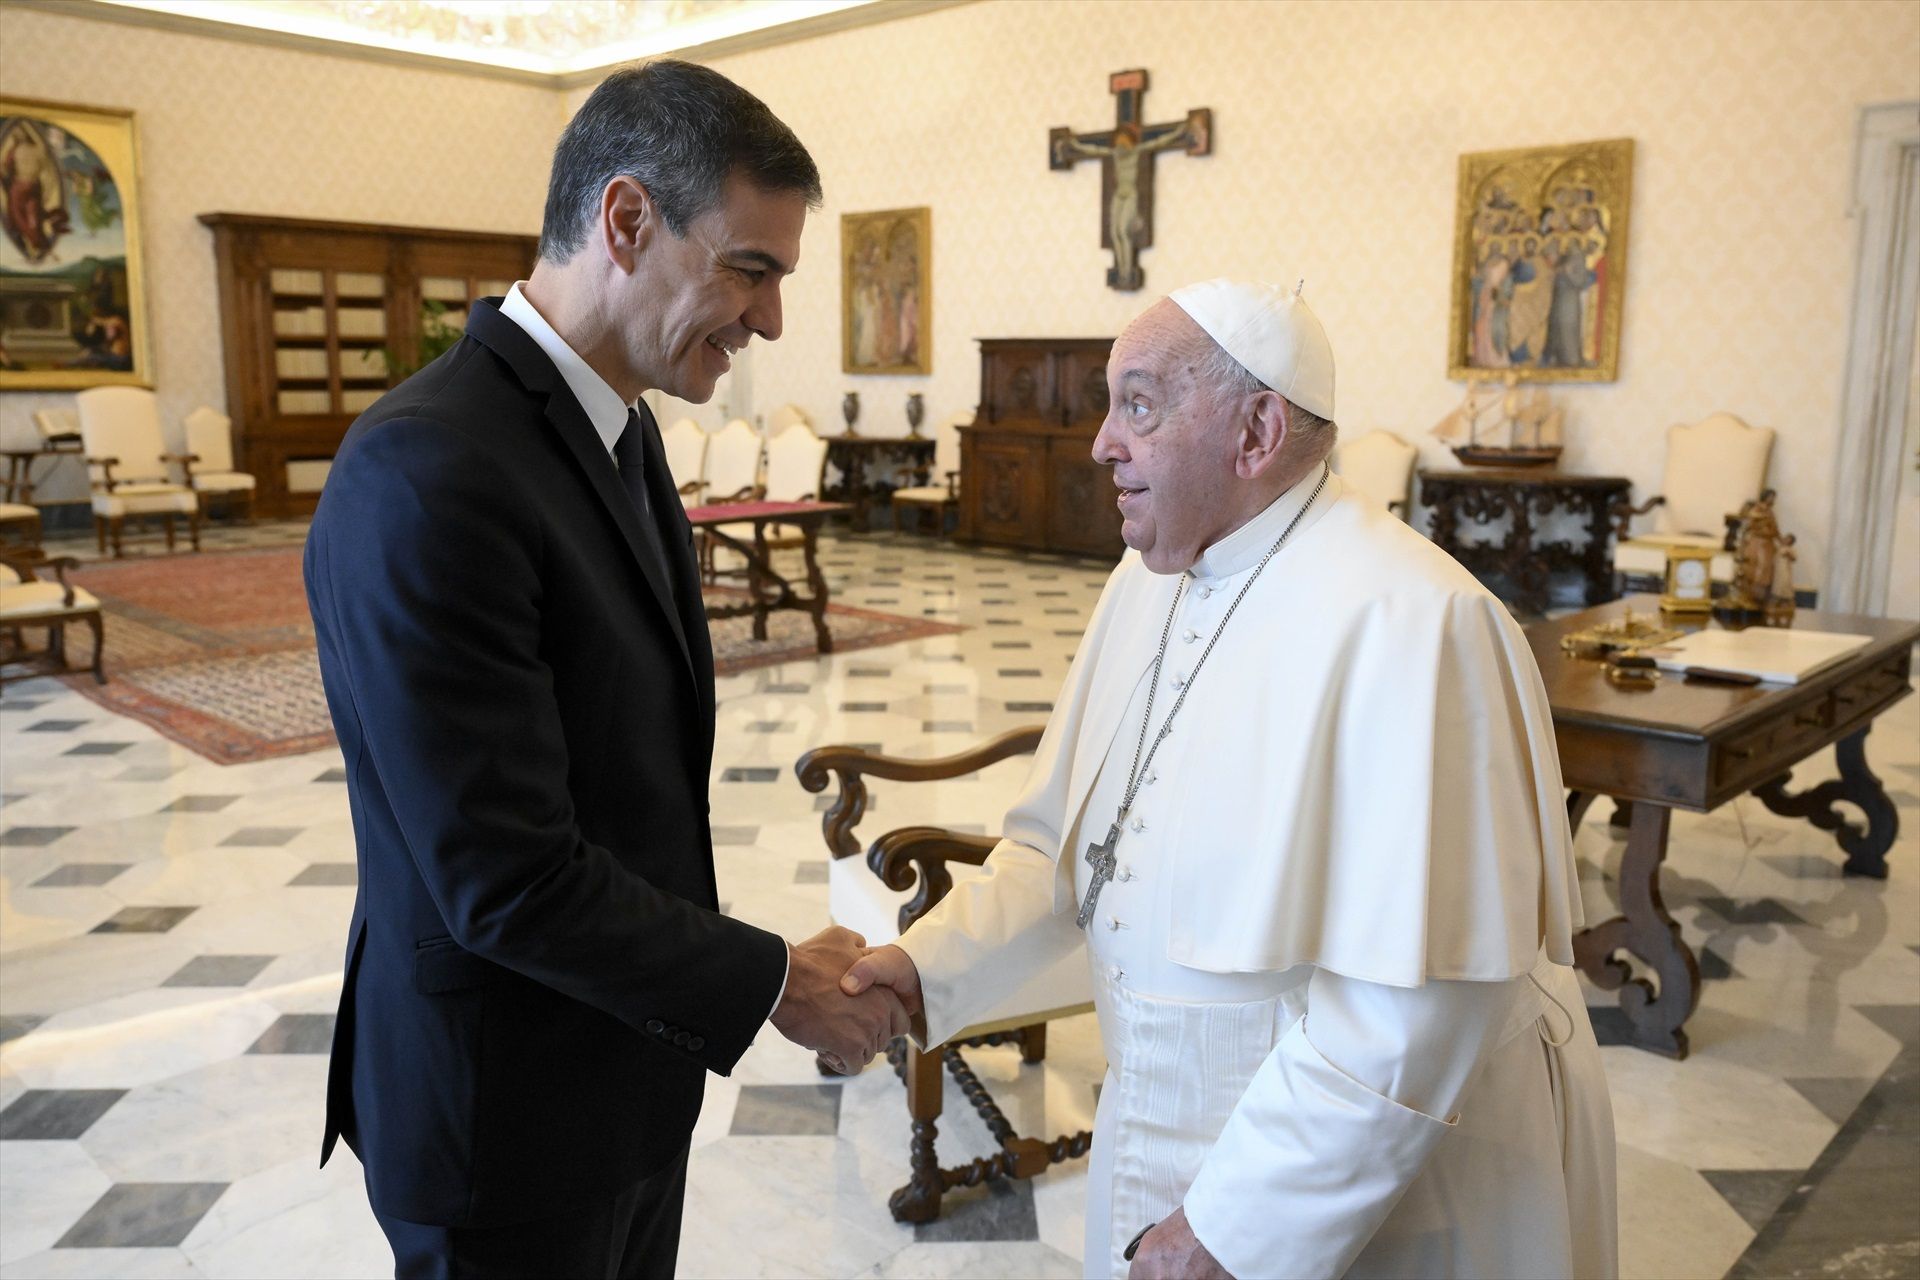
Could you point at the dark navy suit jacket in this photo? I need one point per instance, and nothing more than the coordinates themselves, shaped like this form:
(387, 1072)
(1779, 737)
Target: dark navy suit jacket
(537, 975)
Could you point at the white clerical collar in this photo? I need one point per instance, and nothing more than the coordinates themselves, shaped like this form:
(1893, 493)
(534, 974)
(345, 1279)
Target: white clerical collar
(1242, 549)
(605, 410)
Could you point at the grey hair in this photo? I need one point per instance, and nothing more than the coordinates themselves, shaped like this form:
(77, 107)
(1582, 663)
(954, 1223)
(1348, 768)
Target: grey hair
(1310, 436)
(677, 129)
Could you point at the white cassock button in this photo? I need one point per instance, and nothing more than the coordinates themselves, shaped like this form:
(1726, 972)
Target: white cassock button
(1189, 635)
(1125, 874)
(1139, 824)
(1153, 777)
(1115, 924)
(1179, 680)
(1205, 591)
(1116, 973)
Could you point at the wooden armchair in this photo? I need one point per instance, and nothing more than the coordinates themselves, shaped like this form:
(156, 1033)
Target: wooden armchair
(1713, 467)
(923, 862)
(28, 599)
(936, 499)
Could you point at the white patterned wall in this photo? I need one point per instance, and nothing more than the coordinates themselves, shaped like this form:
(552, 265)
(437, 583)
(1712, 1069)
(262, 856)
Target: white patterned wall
(1338, 128)
(252, 129)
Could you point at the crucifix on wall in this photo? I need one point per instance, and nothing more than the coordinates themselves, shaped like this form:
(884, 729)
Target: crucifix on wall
(1126, 154)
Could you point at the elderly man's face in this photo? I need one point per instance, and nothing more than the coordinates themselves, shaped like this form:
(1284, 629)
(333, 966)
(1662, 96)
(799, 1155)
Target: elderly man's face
(1170, 439)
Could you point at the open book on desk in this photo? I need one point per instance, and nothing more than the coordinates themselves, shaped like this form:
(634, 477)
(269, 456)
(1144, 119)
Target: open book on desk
(1777, 655)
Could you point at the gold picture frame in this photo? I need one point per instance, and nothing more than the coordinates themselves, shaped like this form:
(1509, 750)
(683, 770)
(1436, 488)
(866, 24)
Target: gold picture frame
(886, 291)
(1540, 262)
(73, 297)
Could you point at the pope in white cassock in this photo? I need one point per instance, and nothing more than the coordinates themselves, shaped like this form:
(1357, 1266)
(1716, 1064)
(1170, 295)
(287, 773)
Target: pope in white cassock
(1300, 802)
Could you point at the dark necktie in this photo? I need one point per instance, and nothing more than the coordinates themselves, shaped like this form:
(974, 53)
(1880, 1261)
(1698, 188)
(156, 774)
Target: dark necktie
(629, 454)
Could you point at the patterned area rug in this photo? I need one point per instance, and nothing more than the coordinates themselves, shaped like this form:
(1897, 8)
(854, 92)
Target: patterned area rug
(216, 651)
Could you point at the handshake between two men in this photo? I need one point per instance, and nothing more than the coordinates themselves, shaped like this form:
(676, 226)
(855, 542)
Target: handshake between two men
(845, 1000)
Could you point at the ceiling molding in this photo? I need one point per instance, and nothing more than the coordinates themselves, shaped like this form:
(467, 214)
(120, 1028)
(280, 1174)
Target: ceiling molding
(801, 29)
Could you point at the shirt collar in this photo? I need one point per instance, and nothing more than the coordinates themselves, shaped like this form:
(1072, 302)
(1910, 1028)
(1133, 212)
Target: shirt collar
(604, 408)
(1243, 548)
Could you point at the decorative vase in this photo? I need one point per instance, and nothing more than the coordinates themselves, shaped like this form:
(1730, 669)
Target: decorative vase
(916, 409)
(850, 409)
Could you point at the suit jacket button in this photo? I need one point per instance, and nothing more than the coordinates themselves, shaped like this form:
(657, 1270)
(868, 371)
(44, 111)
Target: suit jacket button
(681, 1037)
(696, 1044)
(655, 1026)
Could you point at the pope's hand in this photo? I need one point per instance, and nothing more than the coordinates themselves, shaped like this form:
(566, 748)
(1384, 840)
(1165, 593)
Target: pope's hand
(1172, 1252)
(886, 966)
(845, 1028)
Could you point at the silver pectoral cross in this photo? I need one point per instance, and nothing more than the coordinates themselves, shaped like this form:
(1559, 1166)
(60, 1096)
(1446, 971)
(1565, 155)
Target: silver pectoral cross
(1100, 857)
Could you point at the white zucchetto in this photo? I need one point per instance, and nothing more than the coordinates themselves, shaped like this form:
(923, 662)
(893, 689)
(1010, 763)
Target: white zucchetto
(1271, 331)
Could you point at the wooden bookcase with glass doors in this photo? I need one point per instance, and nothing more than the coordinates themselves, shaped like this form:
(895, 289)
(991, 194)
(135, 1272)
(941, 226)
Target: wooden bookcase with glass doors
(309, 311)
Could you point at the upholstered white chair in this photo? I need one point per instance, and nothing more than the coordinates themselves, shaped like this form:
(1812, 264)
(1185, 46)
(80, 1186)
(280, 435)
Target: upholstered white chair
(19, 519)
(733, 464)
(903, 874)
(208, 466)
(1380, 465)
(35, 593)
(686, 446)
(794, 461)
(943, 496)
(57, 424)
(1713, 468)
(787, 415)
(129, 465)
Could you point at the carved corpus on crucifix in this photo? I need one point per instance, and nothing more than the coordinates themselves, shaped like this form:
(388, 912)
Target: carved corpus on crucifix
(1126, 154)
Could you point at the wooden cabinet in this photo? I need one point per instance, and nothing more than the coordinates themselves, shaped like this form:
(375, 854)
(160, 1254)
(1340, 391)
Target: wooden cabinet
(1028, 478)
(308, 311)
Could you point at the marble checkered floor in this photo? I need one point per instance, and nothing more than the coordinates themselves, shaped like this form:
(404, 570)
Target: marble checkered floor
(171, 932)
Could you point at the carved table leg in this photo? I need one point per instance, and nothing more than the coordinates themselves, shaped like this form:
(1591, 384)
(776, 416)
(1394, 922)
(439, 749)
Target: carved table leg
(1622, 815)
(919, 1200)
(817, 584)
(758, 563)
(1866, 847)
(1578, 802)
(1033, 1043)
(1651, 936)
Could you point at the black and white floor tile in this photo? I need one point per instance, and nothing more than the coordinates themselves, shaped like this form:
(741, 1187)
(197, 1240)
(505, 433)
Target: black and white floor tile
(170, 947)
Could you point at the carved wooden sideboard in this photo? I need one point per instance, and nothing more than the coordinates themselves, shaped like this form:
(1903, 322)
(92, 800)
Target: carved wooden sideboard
(1028, 478)
(308, 310)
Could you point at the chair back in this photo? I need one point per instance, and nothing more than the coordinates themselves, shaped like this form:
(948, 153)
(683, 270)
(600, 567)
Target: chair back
(1380, 465)
(787, 415)
(794, 461)
(210, 437)
(686, 446)
(733, 460)
(946, 444)
(1713, 467)
(54, 423)
(123, 423)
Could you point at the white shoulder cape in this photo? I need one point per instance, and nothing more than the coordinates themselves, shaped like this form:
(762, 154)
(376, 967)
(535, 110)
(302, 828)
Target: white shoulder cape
(1385, 801)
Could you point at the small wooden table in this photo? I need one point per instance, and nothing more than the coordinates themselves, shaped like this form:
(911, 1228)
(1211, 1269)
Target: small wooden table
(855, 455)
(1695, 745)
(766, 589)
(1484, 494)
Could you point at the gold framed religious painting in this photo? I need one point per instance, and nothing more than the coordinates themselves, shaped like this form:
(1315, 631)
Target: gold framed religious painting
(1540, 262)
(886, 291)
(73, 309)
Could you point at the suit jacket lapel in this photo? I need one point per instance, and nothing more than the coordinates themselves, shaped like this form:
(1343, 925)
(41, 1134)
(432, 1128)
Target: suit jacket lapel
(564, 414)
(677, 537)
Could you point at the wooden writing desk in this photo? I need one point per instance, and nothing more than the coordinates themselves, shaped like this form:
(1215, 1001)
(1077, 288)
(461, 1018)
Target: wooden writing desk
(1686, 745)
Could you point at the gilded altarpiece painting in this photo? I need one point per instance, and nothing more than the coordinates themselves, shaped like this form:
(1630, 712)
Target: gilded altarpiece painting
(72, 291)
(1540, 262)
(886, 291)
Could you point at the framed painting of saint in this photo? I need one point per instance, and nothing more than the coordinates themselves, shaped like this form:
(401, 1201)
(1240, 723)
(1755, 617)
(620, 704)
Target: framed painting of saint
(73, 309)
(886, 291)
(1540, 262)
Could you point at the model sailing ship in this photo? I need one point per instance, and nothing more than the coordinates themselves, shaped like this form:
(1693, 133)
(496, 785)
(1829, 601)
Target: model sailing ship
(1501, 424)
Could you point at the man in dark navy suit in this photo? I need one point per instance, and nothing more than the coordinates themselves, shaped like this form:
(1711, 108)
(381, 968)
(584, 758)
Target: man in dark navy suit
(516, 659)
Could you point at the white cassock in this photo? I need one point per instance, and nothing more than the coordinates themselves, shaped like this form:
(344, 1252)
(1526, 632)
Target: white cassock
(1332, 968)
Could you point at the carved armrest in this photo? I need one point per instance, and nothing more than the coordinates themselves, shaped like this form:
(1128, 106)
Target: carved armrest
(852, 764)
(25, 563)
(917, 858)
(746, 493)
(106, 466)
(186, 461)
(692, 487)
(1623, 511)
